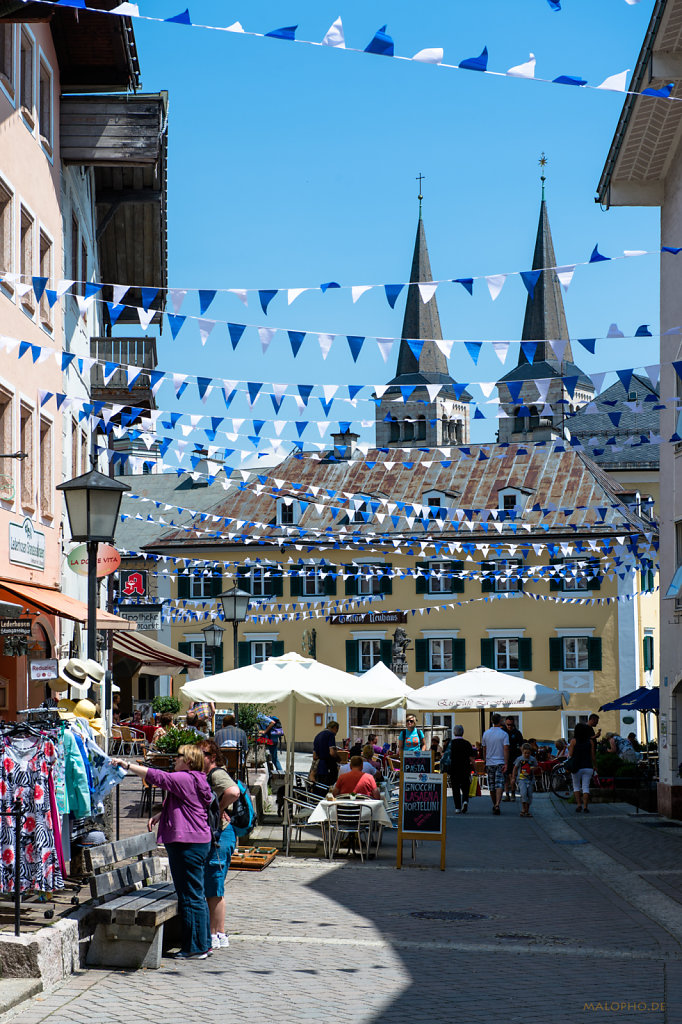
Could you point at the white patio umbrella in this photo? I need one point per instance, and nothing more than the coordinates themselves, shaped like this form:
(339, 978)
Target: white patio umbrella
(299, 680)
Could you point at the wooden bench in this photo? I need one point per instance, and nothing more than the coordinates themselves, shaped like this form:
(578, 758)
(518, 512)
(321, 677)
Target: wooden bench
(129, 928)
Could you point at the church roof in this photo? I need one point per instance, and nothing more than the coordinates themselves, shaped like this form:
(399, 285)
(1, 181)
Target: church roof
(617, 416)
(542, 370)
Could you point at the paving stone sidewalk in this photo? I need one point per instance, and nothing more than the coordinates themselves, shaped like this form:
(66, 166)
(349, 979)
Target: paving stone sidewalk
(548, 919)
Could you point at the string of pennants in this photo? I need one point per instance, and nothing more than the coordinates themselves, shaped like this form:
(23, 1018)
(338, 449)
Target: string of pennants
(382, 45)
(149, 296)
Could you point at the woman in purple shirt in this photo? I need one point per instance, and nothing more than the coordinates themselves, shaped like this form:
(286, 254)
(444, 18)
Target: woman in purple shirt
(185, 832)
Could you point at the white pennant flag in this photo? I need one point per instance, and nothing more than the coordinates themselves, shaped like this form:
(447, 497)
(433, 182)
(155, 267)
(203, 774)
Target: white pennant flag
(431, 55)
(334, 36)
(323, 426)
(293, 293)
(177, 297)
(487, 388)
(130, 10)
(616, 83)
(565, 275)
(205, 328)
(234, 27)
(598, 381)
(279, 390)
(178, 380)
(207, 392)
(145, 316)
(266, 336)
(634, 252)
(501, 348)
(615, 332)
(526, 70)
(445, 346)
(385, 346)
(653, 371)
(558, 347)
(380, 389)
(241, 293)
(325, 341)
(359, 289)
(63, 287)
(427, 291)
(433, 390)
(495, 284)
(329, 390)
(119, 292)
(543, 385)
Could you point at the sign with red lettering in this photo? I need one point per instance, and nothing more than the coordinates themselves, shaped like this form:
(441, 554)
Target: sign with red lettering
(108, 560)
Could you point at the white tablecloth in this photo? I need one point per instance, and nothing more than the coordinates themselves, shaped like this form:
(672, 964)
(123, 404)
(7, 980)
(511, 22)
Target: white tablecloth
(379, 815)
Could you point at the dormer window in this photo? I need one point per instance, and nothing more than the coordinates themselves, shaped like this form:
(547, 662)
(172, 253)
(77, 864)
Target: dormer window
(288, 511)
(510, 499)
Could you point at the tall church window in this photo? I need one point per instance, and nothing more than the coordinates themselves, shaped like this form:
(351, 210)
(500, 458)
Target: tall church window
(534, 417)
(394, 430)
(421, 428)
(408, 431)
(519, 421)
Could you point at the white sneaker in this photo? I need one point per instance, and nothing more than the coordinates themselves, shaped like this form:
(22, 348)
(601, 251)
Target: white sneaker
(215, 941)
(224, 940)
(457, 810)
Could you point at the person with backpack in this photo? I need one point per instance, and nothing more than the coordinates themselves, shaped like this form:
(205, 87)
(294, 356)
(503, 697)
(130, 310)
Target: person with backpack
(458, 761)
(185, 832)
(227, 793)
(411, 740)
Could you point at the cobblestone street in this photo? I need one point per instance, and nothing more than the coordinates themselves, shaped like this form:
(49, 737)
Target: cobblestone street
(570, 920)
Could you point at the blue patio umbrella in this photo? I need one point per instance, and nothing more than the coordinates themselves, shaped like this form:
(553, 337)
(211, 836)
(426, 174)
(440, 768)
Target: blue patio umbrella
(642, 699)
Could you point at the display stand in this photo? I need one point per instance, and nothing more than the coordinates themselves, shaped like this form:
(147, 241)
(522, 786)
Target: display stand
(421, 807)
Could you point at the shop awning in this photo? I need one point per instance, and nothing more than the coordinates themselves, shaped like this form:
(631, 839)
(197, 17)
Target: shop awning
(56, 603)
(155, 658)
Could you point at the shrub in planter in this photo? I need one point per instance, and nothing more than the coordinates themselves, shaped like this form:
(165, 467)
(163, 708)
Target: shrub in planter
(609, 764)
(174, 739)
(166, 705)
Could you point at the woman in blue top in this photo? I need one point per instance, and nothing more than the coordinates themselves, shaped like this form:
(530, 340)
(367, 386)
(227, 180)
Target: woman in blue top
(411, 739)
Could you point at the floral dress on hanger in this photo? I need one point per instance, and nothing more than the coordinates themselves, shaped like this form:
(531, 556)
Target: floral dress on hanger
(25, 766)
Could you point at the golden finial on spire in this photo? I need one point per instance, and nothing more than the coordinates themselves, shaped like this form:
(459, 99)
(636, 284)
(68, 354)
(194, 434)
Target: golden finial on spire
(543, 161)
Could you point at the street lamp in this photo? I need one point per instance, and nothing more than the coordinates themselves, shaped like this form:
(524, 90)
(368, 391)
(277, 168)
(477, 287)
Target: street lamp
(235, 603)
(213, 637)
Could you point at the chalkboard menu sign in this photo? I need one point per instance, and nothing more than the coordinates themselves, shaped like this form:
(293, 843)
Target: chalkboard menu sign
(422, 809)
(420, 762)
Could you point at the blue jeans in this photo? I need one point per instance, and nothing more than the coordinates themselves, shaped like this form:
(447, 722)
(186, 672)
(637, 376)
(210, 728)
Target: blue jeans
(273, 753)
(187, 863)
(218, 864)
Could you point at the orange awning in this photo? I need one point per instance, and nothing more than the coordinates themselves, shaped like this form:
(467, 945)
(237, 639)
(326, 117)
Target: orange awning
(56, 603)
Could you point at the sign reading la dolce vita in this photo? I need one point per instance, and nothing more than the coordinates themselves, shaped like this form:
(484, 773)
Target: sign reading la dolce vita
(368, 618)
(108, 560)
(26, 545)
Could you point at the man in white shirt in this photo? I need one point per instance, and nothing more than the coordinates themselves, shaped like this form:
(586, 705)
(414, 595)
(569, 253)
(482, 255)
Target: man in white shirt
(495, 743)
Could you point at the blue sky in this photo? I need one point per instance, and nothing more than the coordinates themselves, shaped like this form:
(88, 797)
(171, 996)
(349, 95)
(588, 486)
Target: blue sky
(291, 165)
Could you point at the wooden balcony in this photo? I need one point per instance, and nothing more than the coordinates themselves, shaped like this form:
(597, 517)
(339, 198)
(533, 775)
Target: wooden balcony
(110, 131)
(128, 352)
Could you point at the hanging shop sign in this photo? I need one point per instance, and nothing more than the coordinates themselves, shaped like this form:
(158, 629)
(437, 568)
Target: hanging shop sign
(108, 560)
(26, 545)
(7, 490)
(133, 583)
(15, 627)
(147, 616)
(43, 669)
(368, 618)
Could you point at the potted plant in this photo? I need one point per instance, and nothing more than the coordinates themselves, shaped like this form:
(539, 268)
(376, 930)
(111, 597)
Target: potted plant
(166, 705)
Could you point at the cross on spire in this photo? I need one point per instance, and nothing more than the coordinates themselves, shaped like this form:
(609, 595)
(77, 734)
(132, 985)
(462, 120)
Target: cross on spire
(543, 161)
(420, 177)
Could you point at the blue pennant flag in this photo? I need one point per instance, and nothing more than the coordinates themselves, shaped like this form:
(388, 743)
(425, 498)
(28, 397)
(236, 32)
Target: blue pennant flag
(24, 346)
(474, 349)
(304, 391)
(296, 340)
(660, 93)
(236, 331)
(569, 80)
(180, 19)
(46, 398)
(51, 296)
(258, 426)
(289, 32)
(406, 390)
(300, 426)
(228, 396)
(71, 3)
(109, 368)
(155, 377)
(181, 390)
(467, 282)
(355, 344)
(597, 257)
(529, 348)
(458, 389)
(206, 297)
(514, 389)
(416, 345)
(392, 293)
(175, 322)
(478, 415)
(481, 458)
(253, 388)
(277, 402)
(625, 376)
(325, 405)
(39, 285)
(354, 389)
(588, 343)
(381, 43)
(479, 63)
(329, 284)
(91, 288)
(266, 295)
(67, 359)
(570, 385)
(202, 385)
(643, 331)
(148, 296)
(615, 417)
(114, 312)
(530, 278)
(555, 4)
(216, 421)
(670, 249)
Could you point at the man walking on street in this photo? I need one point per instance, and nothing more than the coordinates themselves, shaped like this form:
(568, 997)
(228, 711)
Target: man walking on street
(495, 743)
(515, 743)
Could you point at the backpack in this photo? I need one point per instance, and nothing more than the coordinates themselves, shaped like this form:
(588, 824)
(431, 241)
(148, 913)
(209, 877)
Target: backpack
(446, 759)
(242, 813)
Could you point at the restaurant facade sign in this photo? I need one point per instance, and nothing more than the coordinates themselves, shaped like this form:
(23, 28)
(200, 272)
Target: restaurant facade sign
(368, 619)
(26, 545)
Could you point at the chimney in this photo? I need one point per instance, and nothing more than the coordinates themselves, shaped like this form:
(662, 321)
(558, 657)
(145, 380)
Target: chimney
(345, 442)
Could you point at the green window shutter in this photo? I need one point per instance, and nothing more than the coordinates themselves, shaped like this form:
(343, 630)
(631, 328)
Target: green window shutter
(352, 659)
(218, 659)
(351, 581)
(594, 653)
(459, 663)
(217, 582)
(184, 648)
(329, 583)
(555, 583)
(422, 582)
(276, 582)
(243, 653)
(421, 655)
(648, 653)
(183, 585)
(487, 653)
(488, 583)
(277, 649)
(296, 585)
(456, 581)
(525, 654)
(387, 652)
(519, 576)
(386, 584)
(594, 583)
(556, 654)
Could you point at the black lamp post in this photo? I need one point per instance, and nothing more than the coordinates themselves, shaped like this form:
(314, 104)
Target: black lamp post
(213, 637)
(235, 604)
(92, 505)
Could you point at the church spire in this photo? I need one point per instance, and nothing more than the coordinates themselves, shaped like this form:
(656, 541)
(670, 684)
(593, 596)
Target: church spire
(421, 319)
(545, 318)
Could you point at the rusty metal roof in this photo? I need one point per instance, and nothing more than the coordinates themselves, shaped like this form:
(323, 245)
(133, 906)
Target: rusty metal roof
(565, 495)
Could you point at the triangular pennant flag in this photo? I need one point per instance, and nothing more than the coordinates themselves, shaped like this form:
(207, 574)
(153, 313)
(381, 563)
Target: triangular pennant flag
(114, 312)
(501, 348)
(289, 32)
(474, 349)
(148, 296)
(293, 293)
(663, 93)
(145, 317)
(427, 291)
(597, 379)
(63, 287)
(236, 331)
(392, 293)
(51, 296)
(625, 376)
(385, 346)
(558, 347)
(266, 295)
(445, 345)
(381, 44)
(325, 341)
(359, 289)
(569, 80)
(327, 285)
(614, 331)
(266, 335)
(206, 297)
(479, 63)
(514, 387)
(466, 282)
(597, 257)
(565, 275)
(180, 19)
(588, 343)
(529, 348)
(39, 285)
(296, 340)
(670, 249)
(530, 278)
(205, 328)
(253, 388)
(355, 345)
(431, 55)
(526, 70)
(416, 346)
(334, 35)
(175, 322)
(495, 284)
(241, 294)
(653, 372)
(643, 331)
(616, 83)
(177, 296)
(203, 384)
(305, 390)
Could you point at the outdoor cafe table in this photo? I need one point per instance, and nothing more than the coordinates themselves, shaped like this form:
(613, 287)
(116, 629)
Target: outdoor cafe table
(380, 818)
